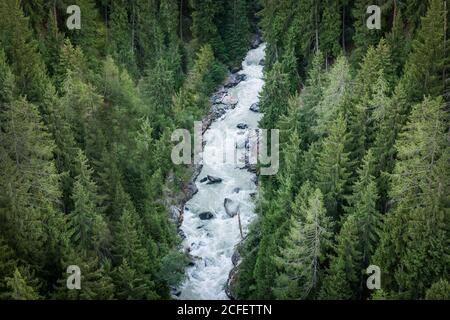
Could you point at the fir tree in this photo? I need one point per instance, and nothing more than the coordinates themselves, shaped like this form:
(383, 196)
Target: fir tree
(413, 241)
(300, 259)
(332, 171)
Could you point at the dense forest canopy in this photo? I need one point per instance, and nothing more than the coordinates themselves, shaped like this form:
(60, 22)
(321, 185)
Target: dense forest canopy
(86, 118)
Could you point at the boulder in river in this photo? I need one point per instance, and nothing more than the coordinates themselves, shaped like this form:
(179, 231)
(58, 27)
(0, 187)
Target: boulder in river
(236, 190)
(234, 79)
(213, 180)
(256, 40)
(175, 292)
(206, 215)
(231, 207)
(176, 214)
(236, 69)
(262, 62)
(204, 179)
(242, 126)
(230, 101)
(254, 107)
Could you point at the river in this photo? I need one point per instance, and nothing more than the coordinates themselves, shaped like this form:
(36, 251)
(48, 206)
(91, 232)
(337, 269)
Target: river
(212, 242)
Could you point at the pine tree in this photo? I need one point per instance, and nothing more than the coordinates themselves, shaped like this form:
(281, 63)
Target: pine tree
(92, 34)
(332, 170)
(274, 98)
(204, 28)
(334, 95)
(236, 30)
(362, 206)
(341, 281)
(127, 245)
(96, 282)
(426, 65)
(363, 37)
(8, 264)
(19, 288)
(29, 179)
(90, 230)
(299, 260)
(413, 242)
(330, 30)
(440, 290)
(21, 52)
(120, 33)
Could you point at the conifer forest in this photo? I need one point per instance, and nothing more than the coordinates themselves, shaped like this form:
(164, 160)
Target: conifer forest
(94, 95)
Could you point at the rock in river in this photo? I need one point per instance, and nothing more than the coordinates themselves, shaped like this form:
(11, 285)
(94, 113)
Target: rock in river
(206, 215)
(231, 207)
(242, 126)
(213, 180)
(254, 107)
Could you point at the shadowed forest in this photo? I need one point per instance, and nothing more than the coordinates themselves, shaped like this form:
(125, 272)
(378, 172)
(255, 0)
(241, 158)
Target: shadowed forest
(86, 118)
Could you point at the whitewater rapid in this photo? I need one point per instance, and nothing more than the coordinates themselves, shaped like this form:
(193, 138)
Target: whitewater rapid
(212, 242)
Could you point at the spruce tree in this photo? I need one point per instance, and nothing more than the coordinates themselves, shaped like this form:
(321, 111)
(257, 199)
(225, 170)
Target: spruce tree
(90, 230)
(334, 96)
(19, 289)
(300, 259)
(414, 238)
(332, 171)
(341, 281)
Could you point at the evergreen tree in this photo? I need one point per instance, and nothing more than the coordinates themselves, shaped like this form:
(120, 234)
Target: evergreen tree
(363, 37)
(90, 231)
(204, 28)
(21, 51)
(300, 259)
(429, 59)
(362, 205)
(414, 238)
(440, 290)
(19, 289)
(334, 95)
(341, 281)
(129, 252)
(29, 177)
(332, 171)
(330, 30)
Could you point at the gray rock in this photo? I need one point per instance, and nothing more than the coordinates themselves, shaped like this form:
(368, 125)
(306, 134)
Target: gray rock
(256, 41)
(175, 291)
(262, 62)
(236, 69)
(234, 79)
(176, 214)
(204, 179)
(254, 107)
(242, 126)
(206, 215)
(231, 207)
(236, 190)
(230, 101)
(213, 180)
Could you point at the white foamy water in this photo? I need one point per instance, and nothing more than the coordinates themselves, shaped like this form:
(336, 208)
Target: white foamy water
(213, 241)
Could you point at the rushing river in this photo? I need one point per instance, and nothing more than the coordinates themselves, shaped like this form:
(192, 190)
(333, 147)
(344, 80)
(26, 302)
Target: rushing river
(212, 242)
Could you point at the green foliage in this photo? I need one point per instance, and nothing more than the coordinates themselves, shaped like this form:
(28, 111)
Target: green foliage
(440, 290)
(332, 171)
(19, 289)
(85, 123)
(414, 245)
(300, 259)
